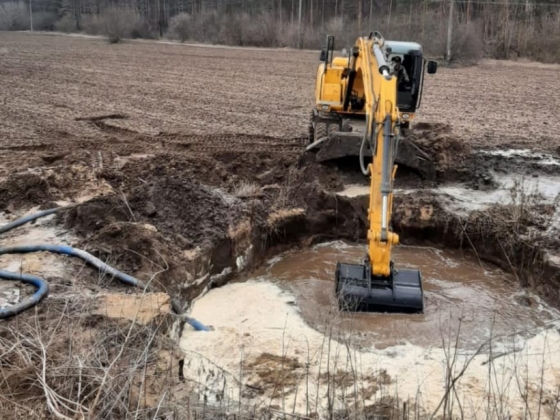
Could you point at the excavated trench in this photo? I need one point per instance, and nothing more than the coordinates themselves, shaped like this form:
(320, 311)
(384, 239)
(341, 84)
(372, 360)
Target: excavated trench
(257, 236)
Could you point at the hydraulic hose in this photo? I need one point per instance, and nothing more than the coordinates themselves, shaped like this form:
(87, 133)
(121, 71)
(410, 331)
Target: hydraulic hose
(365, 170)
(41, 292)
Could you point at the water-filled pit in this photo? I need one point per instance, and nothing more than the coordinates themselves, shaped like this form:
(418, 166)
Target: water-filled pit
(455, 286)
(285, 319)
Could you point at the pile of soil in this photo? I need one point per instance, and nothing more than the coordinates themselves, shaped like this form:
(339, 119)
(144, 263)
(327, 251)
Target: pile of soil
(65, 182)
(27, 189)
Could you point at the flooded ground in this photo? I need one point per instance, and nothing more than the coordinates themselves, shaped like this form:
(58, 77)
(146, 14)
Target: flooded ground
(457, 289)
(280, 335)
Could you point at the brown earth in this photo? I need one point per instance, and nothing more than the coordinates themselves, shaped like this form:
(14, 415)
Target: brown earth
(185, 163)
(183, 156)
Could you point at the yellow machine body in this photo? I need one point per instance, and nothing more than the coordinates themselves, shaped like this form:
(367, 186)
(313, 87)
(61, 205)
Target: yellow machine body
(331, 86)
(363, 89)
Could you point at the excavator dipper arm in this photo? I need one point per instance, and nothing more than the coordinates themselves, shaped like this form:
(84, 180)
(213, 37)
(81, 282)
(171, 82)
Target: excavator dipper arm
(377, 283)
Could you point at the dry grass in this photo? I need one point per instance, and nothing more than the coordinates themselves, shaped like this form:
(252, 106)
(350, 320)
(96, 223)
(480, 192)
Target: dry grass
(66, 361)
(283, 215)
(248, 190)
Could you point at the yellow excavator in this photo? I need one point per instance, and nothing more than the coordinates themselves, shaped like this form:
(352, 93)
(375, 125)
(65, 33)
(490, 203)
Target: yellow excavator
(363, 101)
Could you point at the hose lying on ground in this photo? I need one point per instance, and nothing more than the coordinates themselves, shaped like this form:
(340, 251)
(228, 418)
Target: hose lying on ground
(68, 250)
(27, 219)
(197, 325)
(41, 285)
(41, 292)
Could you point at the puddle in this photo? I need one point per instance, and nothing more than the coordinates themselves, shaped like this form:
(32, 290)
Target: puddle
(454, 286)
(285, 312)
(548, 187)
(464, 200)
(544, 159)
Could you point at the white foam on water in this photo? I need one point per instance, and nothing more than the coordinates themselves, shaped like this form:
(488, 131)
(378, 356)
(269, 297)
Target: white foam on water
(543, 158)
(465, 199)
(259, 318)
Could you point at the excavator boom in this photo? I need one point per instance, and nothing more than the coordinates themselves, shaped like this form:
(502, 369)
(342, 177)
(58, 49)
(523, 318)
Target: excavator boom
(375, 284)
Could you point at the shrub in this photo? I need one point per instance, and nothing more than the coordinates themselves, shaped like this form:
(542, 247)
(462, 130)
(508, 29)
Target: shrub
(14, 16)
(260, 31)
(44, 21)
(467, 44)
(208, 28)
(66, 24)
(234, 28)
(117, 24)
(141, 29)
(91, 25)
(180, 27)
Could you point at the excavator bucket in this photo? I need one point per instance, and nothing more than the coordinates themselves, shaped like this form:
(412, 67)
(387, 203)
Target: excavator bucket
(341, 144)
(357, 290)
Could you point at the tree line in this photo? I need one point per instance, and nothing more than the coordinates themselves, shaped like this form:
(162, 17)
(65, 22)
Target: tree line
(496, 28)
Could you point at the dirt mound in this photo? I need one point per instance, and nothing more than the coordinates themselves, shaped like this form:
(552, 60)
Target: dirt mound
(136, 248)
(418, 217)
(144, 171)
(96, 214)
(184, 208)
(29, 189)
(21, 190)
(448, 153)
(227, 170)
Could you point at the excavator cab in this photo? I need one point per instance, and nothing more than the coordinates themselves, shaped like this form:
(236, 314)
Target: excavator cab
(338, 120)
(409, 92)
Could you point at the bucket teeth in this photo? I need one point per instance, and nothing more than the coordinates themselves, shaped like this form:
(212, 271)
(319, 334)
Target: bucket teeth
(357, 290)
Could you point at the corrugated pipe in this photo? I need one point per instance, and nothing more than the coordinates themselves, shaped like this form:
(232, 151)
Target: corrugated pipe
(42, 286)
(39, 283)
(27, 219)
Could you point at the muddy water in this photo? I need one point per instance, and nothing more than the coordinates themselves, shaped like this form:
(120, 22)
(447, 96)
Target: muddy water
(281, 327)
(457, 290)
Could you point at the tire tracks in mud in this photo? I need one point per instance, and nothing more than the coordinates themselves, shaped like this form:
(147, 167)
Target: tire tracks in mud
(193, 144)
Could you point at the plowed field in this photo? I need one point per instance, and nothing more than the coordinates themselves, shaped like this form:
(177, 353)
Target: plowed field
(187, 99)
(182, 166)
